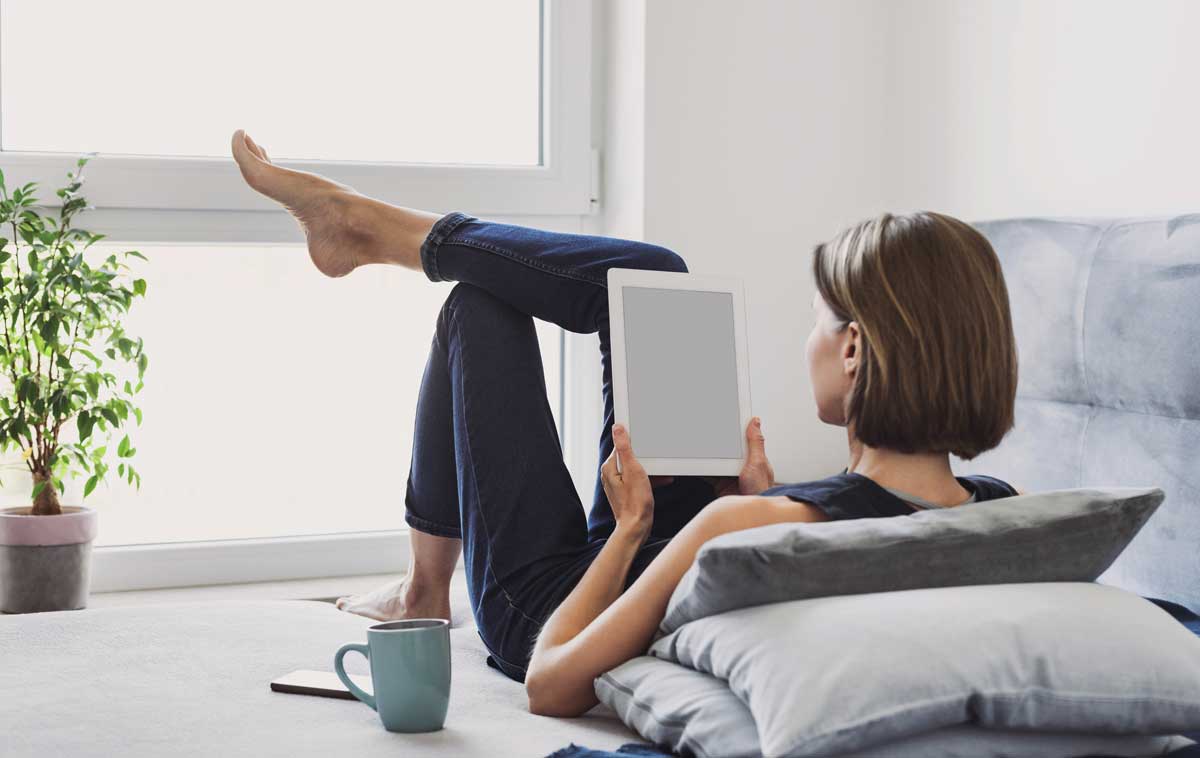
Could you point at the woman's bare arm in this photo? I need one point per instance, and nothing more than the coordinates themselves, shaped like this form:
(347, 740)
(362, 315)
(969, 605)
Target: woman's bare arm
(596, 628)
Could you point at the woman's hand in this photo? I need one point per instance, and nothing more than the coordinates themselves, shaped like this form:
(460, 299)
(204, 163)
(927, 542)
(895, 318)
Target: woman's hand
(628, 491)
(757, 473)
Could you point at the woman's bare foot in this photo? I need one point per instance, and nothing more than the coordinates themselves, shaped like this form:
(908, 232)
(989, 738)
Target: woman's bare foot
(398, 600)
(344, 229)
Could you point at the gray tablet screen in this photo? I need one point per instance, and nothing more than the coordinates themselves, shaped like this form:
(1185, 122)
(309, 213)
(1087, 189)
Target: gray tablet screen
(681, 373)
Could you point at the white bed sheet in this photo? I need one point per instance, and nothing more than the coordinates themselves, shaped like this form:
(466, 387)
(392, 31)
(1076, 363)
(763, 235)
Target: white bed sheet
(192, 680)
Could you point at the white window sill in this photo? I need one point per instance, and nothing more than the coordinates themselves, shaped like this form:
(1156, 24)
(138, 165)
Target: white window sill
(220, 562)
(326, 589)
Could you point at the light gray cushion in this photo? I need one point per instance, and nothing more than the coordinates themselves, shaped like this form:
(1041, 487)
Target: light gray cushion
(689, 711)
(1061, 536)
(1104, 312)
(697, 714)
(833, 675)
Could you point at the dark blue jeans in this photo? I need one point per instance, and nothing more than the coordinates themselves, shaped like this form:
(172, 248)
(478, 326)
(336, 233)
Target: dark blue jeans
(486, 462)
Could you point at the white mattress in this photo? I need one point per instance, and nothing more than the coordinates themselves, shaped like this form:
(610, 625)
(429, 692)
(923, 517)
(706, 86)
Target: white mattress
(192, 680)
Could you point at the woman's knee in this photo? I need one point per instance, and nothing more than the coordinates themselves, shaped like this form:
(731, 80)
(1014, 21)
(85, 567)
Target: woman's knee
(469, 300)
(474, 308)
(657, 258)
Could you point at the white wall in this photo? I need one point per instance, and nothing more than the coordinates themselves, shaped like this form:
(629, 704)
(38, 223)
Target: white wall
(1044, 107)
(767, 125)
(761, 140)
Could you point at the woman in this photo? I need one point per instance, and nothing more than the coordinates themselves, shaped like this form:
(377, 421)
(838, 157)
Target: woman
(912, 351)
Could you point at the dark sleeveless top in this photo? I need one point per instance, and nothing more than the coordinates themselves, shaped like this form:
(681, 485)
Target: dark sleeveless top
(849, 495)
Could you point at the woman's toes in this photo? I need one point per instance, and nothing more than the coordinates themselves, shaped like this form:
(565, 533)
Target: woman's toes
(257, 149)
(252, 165)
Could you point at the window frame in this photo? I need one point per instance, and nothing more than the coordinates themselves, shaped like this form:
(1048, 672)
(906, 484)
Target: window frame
(187, 199)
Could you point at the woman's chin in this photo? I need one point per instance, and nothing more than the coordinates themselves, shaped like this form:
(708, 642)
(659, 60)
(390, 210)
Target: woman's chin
(831, 418)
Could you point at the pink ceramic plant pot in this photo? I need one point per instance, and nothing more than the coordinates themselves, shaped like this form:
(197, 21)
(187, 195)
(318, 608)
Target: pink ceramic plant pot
(45, 561)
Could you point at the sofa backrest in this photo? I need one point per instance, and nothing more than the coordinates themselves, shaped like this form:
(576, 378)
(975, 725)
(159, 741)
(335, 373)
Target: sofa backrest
(1107, 318)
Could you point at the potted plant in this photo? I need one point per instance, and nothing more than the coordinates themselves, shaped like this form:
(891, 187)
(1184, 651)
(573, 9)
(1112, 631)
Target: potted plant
(61, 339)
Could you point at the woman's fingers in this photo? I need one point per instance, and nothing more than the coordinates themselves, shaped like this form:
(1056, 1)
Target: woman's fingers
(623, 447)
(757, 473)
(609, 470)
(756, 443)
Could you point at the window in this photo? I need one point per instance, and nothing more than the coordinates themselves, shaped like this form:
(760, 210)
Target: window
(278, 404)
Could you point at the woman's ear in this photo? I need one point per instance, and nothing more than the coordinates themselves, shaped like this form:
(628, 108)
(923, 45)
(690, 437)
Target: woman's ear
(851, 348)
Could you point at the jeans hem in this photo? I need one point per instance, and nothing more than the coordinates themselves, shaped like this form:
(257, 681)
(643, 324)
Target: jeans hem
(430, 527)
(502, 662)
(441, 230)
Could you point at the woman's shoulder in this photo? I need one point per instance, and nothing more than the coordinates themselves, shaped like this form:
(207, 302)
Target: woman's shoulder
(843, 496)
(851, 496)
(829, 486)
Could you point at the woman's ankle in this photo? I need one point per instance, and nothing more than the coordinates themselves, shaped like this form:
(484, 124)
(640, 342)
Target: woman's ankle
(420, 586)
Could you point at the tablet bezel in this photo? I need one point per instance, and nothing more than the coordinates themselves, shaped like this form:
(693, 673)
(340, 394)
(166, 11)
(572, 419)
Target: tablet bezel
(618, 279)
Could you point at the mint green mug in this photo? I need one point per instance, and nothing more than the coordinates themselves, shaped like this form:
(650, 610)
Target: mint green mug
(410, 670)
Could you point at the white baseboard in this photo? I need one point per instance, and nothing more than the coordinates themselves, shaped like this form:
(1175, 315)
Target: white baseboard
(140, 567)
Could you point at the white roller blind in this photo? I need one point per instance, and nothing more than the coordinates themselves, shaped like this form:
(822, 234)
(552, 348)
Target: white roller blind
(410, 81)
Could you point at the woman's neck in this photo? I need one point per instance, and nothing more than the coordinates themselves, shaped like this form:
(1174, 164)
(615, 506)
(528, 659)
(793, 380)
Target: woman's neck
(926, 475)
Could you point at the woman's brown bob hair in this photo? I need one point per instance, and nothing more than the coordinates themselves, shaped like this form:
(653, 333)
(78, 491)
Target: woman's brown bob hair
(938, 368)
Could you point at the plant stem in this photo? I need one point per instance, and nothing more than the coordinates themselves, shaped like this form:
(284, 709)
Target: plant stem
(46, 503)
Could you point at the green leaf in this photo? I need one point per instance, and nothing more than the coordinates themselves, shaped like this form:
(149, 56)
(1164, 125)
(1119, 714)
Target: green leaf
(49, 330)
(84, 422)
(137, 412)
(91, 356)
(123, 447)
(110, 417)
(37, 489)
(27, 389)
(90, 485)
(93, 384)
(139, 286)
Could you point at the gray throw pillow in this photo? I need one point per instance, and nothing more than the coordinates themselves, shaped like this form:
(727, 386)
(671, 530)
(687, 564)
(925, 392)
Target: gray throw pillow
(696, 714)
(832, 675)
(1061, 536)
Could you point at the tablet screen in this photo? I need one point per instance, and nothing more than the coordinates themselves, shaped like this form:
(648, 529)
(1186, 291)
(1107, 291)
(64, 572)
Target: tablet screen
(681, 373)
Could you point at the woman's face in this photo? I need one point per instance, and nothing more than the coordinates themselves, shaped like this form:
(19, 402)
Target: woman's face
(832, 354)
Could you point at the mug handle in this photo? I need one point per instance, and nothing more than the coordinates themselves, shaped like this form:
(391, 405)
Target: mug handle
(355, 690)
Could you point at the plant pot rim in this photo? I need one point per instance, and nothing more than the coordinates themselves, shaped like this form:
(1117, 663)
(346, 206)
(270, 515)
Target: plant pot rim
(75, 525)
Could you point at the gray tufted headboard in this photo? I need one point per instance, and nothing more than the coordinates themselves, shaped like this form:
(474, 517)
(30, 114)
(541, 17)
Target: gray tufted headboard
(1107, 318)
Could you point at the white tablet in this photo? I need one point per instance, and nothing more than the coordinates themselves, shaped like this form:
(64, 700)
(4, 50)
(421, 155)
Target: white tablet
(681, 373)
